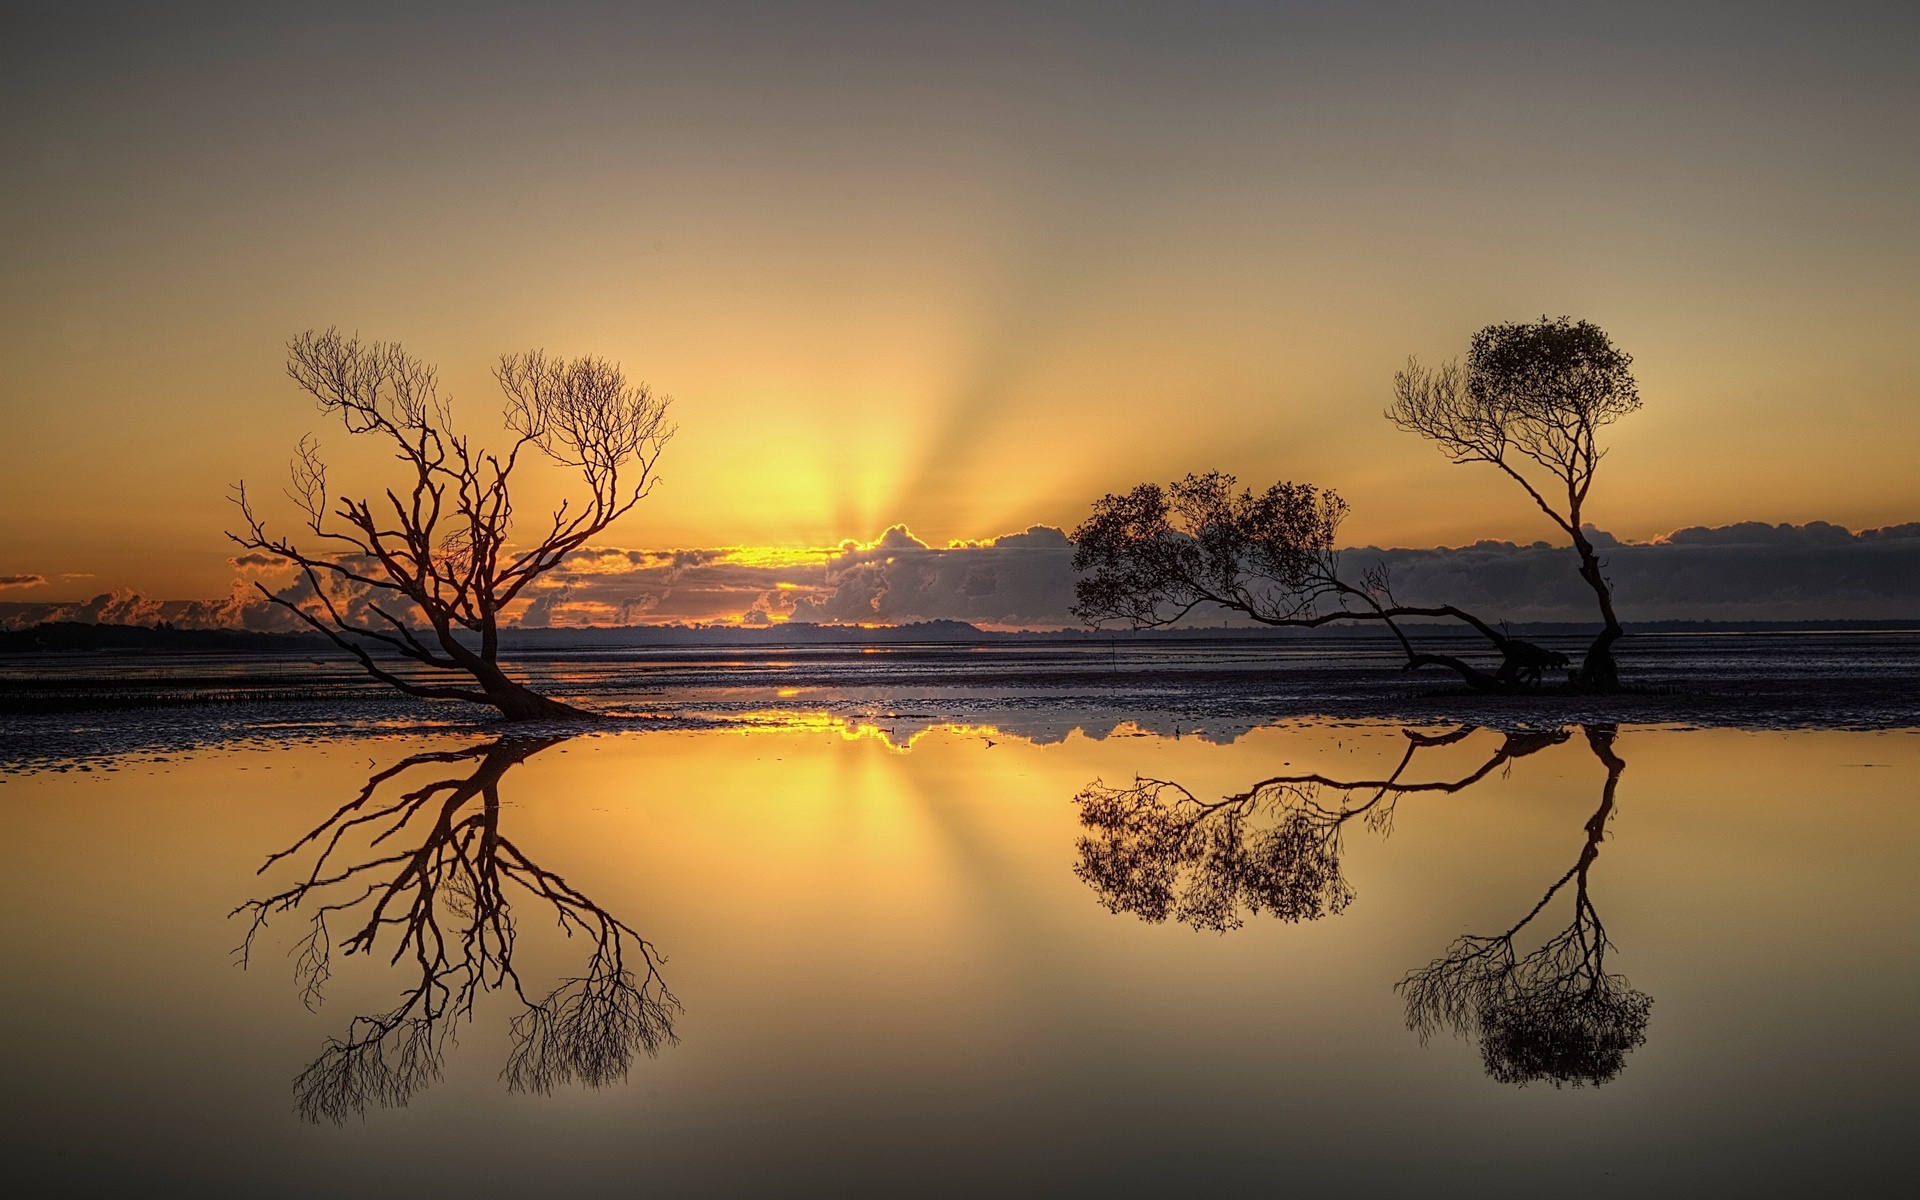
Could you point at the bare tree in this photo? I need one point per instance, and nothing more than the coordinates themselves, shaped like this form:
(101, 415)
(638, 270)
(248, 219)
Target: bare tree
(1538, 394)
(1159, 851)
(1553, 1013)
(432, 867)
(1153, 555)
(437, 550)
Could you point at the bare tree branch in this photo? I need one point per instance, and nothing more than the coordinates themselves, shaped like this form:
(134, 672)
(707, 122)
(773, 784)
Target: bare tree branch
(448, 551)
(444, 897)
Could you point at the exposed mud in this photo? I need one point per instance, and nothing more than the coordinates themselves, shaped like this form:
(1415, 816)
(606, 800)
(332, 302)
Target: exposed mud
(75, 711)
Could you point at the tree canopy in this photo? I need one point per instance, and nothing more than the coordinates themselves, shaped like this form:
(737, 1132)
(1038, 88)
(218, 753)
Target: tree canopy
(1531, 401)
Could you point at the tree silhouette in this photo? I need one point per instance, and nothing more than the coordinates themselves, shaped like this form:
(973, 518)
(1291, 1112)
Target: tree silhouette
(1534, 393)
(1153, 555)
(439, 549)
(431, 868)
(1158, 851)
(1553, 1013)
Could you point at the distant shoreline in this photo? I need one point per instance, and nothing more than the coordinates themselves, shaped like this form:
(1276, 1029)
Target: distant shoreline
(74, 637)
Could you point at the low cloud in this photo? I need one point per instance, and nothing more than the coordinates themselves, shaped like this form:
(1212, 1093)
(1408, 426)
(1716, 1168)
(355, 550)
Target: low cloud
(242, 608)
(1748, 571)
(1018, 580)
(123, 607)
(256, 562)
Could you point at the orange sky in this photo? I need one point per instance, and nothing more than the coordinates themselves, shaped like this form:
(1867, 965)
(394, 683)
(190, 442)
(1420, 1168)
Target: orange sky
(961, 272)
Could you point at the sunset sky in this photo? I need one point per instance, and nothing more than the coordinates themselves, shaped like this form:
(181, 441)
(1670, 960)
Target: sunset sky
(962, 268)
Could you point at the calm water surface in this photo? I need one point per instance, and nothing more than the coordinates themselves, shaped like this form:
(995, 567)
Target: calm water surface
(1357, 956)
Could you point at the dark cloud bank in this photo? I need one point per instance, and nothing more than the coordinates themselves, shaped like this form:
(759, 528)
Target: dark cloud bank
(1746, 572)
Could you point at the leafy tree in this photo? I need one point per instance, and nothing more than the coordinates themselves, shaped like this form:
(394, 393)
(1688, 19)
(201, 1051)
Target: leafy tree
(1532, 401)
(1151, 556)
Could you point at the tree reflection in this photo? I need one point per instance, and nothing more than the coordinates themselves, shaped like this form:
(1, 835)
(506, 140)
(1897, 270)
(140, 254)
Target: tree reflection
(1551, 1014)
(1554, 1013)
(1158, 851)
(430, 870)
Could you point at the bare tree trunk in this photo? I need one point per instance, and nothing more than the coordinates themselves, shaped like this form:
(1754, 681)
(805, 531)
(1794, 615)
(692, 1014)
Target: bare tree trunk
(445, 548)
(1598, 671)
(517, 702)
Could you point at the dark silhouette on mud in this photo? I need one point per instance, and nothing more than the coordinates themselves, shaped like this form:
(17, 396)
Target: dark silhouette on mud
(430, 871)
(1536, 394)
(1149, 558)
(1550, 1014)
(426, 572)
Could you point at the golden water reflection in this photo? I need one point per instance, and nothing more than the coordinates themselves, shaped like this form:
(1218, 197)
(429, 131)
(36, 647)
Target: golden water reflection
(417, 867)
(892, 972)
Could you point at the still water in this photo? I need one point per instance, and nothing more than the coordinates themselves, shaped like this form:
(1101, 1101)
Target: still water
(810, 956)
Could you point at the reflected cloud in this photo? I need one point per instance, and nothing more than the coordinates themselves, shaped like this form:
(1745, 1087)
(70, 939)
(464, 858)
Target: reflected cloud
(898, 735)
(427, 877)
(1552, 1013)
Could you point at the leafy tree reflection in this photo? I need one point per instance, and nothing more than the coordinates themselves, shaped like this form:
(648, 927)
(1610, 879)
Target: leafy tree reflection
(1553, 1014)
(431, 868)
(1156, 850)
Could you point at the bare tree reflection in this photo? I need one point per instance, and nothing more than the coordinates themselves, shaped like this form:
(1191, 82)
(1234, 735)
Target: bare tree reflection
(1554, 1013)
(1158, 851)
(430, 870)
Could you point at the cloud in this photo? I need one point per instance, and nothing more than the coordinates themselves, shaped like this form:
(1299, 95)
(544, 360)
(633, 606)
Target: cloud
(242, 608)
(120, 607)
(22, 581)
(1022, 579)
(257, 562)
(1748, 571)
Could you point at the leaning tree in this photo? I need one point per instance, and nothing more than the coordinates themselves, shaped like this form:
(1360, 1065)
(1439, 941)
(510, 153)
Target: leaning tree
(1151, 556)
(425, 572)
(1531, 401)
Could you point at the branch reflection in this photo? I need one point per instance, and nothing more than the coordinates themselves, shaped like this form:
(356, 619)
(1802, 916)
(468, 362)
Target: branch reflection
(1552, 1014)
(430, 872)
(1158, 851)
